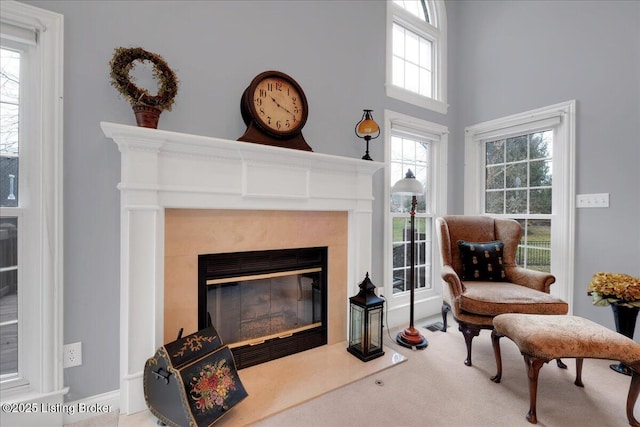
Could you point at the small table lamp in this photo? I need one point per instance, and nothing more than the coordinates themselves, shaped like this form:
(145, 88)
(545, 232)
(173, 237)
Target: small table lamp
(365, 129)
(410, 186)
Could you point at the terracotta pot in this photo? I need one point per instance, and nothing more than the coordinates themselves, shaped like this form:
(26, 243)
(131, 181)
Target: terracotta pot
(146, 115)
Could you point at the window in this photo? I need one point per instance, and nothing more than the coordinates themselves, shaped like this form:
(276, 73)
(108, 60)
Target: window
(9, 198)
(522, 167)
(30, 201)
(422, 147)
(416, 52)
(518, 178)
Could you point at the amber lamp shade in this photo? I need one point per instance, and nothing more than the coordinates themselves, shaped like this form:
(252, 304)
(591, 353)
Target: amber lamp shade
(367, 129)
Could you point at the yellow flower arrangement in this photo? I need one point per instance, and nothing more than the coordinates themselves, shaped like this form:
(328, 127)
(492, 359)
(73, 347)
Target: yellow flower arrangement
(621, 289)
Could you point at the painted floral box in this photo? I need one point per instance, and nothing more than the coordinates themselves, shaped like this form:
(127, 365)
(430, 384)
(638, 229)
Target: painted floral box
(192, 381)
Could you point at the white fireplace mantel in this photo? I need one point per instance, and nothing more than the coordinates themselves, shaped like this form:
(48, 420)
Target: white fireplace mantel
(162, 169)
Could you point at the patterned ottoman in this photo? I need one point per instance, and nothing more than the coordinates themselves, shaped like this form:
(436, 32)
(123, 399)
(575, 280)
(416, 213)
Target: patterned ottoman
(542, 338)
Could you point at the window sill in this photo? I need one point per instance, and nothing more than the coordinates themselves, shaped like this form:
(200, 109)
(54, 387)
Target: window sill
(25, 407)
(24, 394)
(415, 99)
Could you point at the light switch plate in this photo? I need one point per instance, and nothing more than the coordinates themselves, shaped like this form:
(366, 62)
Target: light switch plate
(600, 200)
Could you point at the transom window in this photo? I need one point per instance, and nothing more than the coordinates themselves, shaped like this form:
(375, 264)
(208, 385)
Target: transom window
(412, 62)
(417, 8)
(416, 53)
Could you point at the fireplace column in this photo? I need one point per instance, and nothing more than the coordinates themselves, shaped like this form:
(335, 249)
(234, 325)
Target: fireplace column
(141, 270)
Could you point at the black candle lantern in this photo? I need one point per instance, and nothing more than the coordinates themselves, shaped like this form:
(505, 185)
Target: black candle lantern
(365, 328)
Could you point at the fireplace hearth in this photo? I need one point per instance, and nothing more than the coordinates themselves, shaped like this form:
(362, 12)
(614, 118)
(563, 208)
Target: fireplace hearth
(265, 304)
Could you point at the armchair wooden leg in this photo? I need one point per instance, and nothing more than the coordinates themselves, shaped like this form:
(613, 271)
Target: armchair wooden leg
(495, 340)
(446, 308)
(533, 369)
(469, 331)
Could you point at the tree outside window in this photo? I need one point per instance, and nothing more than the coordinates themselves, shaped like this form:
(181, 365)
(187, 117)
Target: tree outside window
(518, 183)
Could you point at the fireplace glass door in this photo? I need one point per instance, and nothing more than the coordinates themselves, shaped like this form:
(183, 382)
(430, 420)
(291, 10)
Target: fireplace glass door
(252, 309)
(265, 304)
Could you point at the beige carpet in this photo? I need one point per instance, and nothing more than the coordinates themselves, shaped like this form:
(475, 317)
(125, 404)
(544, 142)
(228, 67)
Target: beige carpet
(435, 388)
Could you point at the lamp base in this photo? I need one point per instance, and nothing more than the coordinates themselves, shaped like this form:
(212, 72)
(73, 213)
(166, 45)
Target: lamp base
(410, 338)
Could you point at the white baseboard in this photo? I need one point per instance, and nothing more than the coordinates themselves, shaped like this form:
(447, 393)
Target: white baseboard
(93, 406)
(424, 309)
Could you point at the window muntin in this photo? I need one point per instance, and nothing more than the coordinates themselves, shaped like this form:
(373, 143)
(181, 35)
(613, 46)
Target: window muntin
(518, 174)
(410, 152)
(412, 61)
(518, 184)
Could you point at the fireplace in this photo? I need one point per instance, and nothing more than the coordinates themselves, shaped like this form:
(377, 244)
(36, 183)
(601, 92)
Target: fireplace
(265, 304)
(201, 178)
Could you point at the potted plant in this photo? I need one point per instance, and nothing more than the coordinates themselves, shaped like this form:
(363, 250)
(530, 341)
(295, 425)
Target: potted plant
(147, 107)
(622, 292)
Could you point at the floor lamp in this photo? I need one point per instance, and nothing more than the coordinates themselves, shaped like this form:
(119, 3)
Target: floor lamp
(410, 186)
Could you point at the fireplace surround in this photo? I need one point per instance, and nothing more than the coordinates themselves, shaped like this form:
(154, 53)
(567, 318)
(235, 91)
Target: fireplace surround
(164, 171)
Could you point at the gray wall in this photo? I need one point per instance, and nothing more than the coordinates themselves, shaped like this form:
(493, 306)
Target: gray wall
(500, 63)
(514, 56)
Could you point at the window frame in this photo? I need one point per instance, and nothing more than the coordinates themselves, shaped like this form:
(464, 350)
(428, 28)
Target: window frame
(434, 31)
(40, 241)
(427, 302)
(561, 118)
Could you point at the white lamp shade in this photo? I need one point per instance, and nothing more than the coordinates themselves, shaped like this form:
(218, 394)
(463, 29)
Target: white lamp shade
(408, 185)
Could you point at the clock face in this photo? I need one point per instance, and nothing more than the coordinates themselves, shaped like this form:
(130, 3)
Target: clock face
(280, 106)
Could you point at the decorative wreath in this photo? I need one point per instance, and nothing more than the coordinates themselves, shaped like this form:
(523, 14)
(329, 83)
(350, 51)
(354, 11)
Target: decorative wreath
(122, 64)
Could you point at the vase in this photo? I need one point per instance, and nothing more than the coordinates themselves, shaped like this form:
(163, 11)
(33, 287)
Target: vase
(146, 115)
(625, 318)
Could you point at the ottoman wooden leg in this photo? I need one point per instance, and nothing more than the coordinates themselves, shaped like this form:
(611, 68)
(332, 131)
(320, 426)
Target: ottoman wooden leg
(578, 380)
(533, 369)
(495, 340)
(634, 390)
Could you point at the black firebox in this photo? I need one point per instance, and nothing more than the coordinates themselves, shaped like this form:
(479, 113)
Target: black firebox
(265, 304)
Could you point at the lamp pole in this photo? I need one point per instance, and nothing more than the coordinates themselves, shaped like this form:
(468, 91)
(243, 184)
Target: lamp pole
(410, 337)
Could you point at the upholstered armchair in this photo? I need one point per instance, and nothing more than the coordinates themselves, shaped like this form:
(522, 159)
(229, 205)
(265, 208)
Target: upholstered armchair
(479, 266)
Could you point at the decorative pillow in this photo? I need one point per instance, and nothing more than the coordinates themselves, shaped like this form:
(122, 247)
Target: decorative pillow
(482, 260)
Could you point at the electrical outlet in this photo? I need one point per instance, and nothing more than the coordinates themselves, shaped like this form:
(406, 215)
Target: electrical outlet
(72, 355)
